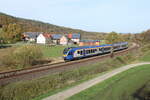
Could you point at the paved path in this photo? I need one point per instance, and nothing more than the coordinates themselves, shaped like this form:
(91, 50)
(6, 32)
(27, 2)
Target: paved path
(76, 89)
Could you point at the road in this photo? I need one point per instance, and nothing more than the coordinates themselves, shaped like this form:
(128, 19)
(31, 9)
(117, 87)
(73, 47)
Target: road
(76, 89)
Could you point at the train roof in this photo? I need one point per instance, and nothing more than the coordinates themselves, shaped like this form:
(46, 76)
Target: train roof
(83, 47)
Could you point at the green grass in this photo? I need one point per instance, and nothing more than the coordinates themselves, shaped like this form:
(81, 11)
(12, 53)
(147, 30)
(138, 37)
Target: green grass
(119, 87)
(52, 51)
(146, 56)
(67, 86)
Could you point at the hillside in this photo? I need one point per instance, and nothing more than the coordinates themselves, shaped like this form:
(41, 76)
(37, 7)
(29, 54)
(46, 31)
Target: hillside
(38, 26)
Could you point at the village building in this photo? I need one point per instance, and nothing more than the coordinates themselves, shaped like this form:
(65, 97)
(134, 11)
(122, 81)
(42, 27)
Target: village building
(89, 43)
(63, 40)
(44, 39)
(75, 37)
(59, 39)
(56, 38)
(30, 36)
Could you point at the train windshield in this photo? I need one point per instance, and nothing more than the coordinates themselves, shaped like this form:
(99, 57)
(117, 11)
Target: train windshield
(66, 50)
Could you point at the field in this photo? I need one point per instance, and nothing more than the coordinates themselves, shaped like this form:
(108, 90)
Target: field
(119, 87)
(52, 51)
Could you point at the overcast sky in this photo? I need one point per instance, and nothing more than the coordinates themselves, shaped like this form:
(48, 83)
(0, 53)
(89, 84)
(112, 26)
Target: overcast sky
(91, 15)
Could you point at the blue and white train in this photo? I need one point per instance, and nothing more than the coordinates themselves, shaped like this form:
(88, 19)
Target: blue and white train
(72, 53)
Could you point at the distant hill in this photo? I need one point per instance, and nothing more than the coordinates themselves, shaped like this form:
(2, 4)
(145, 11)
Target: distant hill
(38, 26)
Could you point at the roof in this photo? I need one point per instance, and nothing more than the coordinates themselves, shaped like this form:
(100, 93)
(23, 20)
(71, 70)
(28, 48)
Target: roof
(56, 36)
(76, 36)
(46, 35)
(32, 34)
(120, 43)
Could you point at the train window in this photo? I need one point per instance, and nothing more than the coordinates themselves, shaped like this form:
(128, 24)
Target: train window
(93, 50)
(106, 49)
(70, 53)
(89, 51)
(115, 47)
(86, 51)
(123, 45)
(100, 49)
(78, 52)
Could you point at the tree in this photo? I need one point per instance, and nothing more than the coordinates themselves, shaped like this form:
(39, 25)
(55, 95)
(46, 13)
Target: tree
(11, 33)
(113, 37)
(145, 36)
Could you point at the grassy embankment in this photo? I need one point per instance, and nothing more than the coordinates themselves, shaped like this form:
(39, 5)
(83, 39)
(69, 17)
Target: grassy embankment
(43, 87)
(119, 87)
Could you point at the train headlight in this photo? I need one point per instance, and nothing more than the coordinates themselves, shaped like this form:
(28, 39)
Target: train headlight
(65, 55)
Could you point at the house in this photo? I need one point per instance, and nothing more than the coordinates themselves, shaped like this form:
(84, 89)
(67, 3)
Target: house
(59, 39)
(63, 40)
(31, 36)
(56, 38)
(44, 38)
(75, 37)
(89, 43)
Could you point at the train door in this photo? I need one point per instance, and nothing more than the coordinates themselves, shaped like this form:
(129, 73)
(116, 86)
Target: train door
(84, 52)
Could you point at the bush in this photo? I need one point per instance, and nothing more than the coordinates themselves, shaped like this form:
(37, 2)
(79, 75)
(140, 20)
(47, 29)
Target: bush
(27, 55)
(23, 56)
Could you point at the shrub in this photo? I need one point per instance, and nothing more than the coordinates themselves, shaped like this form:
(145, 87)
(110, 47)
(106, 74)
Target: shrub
(23, 56)
(27, 55)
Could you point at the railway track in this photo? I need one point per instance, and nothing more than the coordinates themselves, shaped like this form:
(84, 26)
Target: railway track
(36, 72)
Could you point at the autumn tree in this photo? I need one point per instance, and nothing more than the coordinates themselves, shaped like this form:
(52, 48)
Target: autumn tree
(145, 36)
(11, 33)
(114, 37)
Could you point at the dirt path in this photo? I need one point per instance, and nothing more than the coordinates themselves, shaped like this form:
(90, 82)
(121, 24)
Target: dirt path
(76, 89)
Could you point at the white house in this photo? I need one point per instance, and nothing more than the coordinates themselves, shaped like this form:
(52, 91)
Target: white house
(44, 39)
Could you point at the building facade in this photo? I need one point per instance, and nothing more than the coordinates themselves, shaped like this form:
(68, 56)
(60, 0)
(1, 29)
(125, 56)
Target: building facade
(63, 40)
(44, 39)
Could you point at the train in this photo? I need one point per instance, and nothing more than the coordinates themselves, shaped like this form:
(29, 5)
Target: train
(74, 53)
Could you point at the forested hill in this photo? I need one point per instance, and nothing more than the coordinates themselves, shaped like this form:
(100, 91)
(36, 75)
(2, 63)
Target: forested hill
(38, 26)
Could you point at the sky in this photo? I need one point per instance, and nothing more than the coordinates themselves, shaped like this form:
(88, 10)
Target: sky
(91, 15)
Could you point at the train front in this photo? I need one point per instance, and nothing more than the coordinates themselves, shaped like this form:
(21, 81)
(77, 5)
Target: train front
(68, 54)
